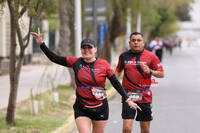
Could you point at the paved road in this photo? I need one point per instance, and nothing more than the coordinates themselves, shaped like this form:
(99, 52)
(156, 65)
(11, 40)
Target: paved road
(175, 100)
(37, 77)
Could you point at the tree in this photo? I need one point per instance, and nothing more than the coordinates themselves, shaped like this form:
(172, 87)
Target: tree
(62, 14)
(36, 8)
(116, 27)
(167, 23)
(116, 17)
(66, 31)
(182, 12)
(17, 9)
(158, 18)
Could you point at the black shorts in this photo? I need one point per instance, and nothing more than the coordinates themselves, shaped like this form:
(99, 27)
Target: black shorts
(101, 113)
(144, 115)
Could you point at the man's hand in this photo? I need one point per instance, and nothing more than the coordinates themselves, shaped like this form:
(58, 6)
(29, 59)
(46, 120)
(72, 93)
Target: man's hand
(37, 36)
(145, 69)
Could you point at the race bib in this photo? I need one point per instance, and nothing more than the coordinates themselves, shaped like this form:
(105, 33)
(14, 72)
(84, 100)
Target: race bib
(135, 96)
(99, 93)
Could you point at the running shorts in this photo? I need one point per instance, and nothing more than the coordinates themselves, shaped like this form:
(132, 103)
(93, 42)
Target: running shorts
(102, 112)
(144, 115)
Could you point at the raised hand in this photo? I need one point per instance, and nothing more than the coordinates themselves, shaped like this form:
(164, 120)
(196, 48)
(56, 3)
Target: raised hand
(37, 36)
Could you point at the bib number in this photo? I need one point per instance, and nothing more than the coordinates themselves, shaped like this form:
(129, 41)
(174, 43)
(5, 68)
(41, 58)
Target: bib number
(99, 93)
(135, 96)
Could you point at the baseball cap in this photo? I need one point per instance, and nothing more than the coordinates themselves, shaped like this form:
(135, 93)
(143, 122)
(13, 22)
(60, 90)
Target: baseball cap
(89, 42)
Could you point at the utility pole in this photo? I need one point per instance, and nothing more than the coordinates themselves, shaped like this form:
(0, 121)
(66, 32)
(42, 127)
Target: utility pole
(78, 27)
(128, 27)
(139, 22)
(95, 19)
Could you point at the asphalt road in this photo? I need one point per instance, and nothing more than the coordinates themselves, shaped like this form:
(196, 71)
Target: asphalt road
(175, 99)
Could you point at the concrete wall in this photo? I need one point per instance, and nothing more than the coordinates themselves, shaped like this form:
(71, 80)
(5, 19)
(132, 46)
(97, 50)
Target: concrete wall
(5, 36)
(4, 32)
(1, 36)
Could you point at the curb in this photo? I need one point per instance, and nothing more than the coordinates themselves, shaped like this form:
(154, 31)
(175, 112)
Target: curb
(70, 122)
(66, 128)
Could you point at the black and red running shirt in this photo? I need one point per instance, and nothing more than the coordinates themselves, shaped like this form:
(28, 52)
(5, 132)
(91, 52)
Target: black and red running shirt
(134, 78)
(101, 70)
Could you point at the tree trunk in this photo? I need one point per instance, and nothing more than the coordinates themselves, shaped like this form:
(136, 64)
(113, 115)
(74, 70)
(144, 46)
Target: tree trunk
(116, 26)
(13, 88)
(72, 41)
(14, 66)
(64, 30)
(115, 29)
(107, 47)
(66, 42)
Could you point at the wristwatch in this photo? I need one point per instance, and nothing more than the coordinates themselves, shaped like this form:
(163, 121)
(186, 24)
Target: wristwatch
(150, 72)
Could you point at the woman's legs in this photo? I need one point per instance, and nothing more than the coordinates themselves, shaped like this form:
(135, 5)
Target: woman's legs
(83, 124)
(99, 126)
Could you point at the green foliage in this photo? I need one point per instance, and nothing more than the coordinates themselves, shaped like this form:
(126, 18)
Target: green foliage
(138, 5)
(158, 16)
(1, 1)
(48, 119)
(166, 25)
(51, 7)
(53, 22)
(51, 13)
(29, 124)
(38, 9)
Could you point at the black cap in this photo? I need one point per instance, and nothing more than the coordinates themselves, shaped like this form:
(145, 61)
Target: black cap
(89, 42)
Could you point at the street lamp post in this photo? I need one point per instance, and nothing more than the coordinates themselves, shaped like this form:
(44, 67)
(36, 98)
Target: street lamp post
(95, 19)
(78, 27)
(128, 27)
(139, 21)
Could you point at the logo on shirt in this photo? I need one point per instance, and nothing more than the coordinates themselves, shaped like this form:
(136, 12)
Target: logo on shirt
(147, 82)
(135, 62)
(102, 116)
(87, 68)
(159, 65)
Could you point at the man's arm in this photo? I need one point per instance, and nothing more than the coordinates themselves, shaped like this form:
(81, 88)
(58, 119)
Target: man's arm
(156, 73)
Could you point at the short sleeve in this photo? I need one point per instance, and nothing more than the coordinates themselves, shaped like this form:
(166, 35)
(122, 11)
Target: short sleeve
(119, 67)
(110, 72)
(71, 60)
(156, 64)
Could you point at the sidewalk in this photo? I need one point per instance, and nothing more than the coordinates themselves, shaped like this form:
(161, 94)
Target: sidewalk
(38, 77)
